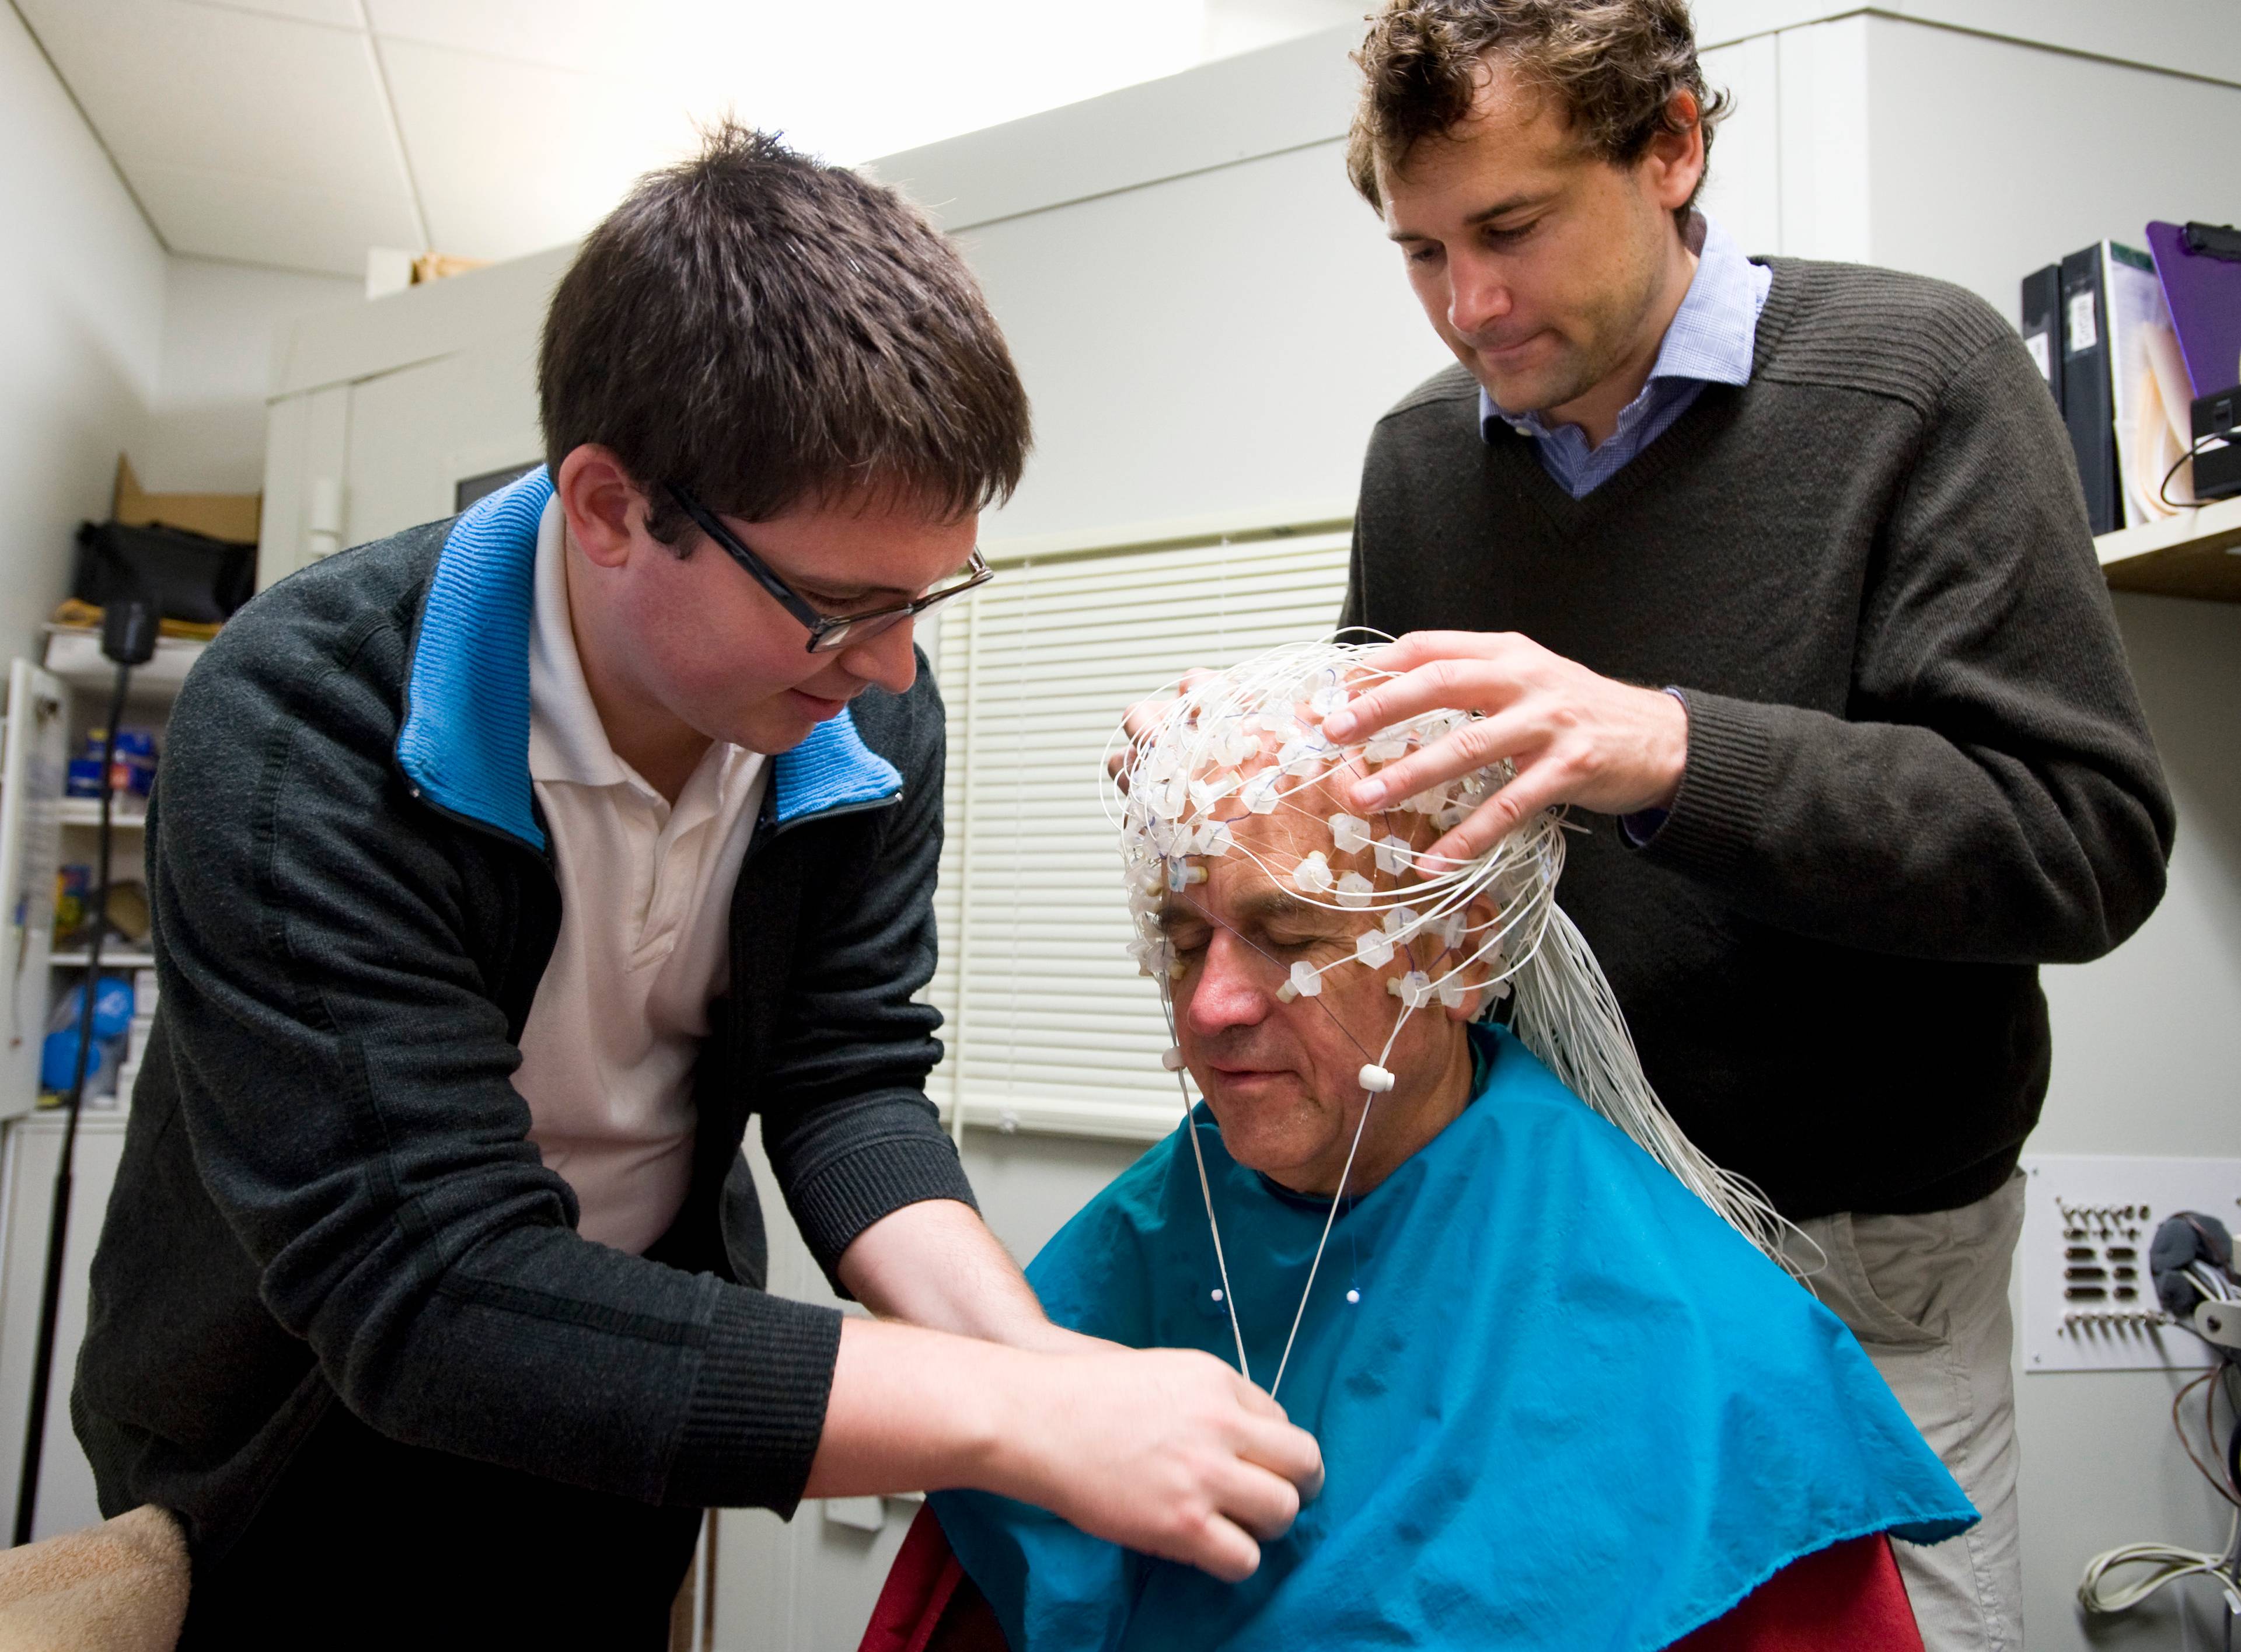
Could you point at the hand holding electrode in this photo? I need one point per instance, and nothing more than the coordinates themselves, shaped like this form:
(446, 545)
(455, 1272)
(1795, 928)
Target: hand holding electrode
(1574, 736)
(1168, 1452)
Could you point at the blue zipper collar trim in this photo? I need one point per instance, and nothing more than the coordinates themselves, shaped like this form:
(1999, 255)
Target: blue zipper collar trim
(465, 745)
(833, 769)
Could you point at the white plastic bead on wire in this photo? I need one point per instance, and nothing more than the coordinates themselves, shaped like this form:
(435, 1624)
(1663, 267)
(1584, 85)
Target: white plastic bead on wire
(1249, 742)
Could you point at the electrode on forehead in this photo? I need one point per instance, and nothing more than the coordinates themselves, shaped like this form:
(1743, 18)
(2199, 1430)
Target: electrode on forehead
(1350, 835)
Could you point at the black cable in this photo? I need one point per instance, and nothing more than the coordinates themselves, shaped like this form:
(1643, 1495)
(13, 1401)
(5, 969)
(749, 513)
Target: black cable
(27, 1488)
(2193, 450)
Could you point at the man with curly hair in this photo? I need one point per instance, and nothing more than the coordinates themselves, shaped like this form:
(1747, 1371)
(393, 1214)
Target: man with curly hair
(1782, 566)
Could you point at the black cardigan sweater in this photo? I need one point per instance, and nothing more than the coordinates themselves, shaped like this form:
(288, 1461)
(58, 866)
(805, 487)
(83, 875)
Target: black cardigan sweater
(328, 1196)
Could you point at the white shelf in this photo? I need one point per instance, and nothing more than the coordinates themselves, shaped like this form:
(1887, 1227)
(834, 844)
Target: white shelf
(2195, 553)
(110, 959)
(86, 812)
(75, 657)
(92, 1116)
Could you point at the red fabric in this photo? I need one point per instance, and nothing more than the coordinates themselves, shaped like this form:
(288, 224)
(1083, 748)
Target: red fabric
(923, 1608)
(1848, 1598)
(1844, 1599)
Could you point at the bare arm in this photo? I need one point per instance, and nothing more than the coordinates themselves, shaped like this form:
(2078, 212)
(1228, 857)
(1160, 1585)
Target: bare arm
(935, 1265)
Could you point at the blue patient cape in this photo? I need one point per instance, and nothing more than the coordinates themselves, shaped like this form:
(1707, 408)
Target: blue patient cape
(1572, 1408)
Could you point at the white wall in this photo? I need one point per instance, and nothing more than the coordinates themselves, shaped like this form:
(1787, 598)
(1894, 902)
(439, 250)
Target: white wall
(81, 319)
(206, 434)
(1185, 357)
(108, 344)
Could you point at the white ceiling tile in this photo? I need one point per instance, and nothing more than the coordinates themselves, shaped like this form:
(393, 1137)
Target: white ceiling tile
(912, 71)
(336, 14)
(511, 158)
(587, 35)
(173, 83)
(260, 221)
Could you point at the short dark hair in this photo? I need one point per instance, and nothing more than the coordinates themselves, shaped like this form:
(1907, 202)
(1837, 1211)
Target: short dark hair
(1612, 65)
(766, 330)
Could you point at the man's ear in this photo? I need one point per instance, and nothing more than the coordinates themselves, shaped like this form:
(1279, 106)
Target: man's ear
(1480, 918)
(603, 505)
(1674, 164)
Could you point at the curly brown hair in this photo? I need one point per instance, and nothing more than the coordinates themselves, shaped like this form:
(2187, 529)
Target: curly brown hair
(1613, 66)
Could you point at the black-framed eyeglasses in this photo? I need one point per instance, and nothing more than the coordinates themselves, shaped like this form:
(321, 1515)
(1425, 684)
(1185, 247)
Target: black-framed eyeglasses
(827, 632)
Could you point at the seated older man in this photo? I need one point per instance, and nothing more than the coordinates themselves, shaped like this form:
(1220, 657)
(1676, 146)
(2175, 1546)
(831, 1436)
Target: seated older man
(1562, 1402)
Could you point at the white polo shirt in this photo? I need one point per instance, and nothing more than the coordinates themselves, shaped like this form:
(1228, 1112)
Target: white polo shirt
(607, 1055)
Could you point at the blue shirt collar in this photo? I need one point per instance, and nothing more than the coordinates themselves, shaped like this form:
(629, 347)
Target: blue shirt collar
(1713, 336)
(465, 745)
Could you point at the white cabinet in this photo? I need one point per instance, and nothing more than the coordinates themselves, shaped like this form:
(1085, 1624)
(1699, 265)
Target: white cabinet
(380, 411)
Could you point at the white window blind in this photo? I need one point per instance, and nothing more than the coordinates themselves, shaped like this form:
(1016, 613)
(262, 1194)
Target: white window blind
(1048, 1025)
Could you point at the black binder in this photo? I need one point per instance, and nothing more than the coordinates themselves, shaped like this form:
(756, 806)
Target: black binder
(2042, 319)
(2088, 403)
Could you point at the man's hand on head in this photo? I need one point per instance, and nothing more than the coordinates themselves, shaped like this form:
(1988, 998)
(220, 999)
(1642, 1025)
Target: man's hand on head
(1141, 718)
(1574, 737)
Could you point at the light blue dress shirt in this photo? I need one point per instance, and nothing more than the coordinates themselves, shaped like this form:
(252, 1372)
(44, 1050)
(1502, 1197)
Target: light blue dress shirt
(1710, 341)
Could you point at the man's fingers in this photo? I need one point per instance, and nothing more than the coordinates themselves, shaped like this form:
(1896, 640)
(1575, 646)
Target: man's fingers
(1264, 1504)
(1448, 684)
(1222, 1548)
(1251, 1396)
(1288, 1451)
(1449, 758)
(1136, 722)
(1138, 718)
(1535, 788)
(1416, 648)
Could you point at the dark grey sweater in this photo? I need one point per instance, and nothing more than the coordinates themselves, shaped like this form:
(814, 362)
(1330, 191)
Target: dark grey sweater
(1916, 765)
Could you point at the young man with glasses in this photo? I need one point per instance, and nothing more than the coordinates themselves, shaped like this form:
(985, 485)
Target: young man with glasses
(501, 869)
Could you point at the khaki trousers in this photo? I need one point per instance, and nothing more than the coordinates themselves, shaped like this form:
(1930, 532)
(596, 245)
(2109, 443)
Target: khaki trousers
(1928, 1298)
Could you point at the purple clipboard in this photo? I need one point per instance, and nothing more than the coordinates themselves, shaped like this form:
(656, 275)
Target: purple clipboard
(2204, 294)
